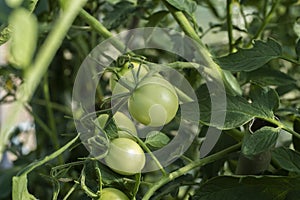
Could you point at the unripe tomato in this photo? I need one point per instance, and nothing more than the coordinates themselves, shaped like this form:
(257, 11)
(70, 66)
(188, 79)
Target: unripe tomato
(126, 127)
(125, 156)
(112, 194)
(154, 102)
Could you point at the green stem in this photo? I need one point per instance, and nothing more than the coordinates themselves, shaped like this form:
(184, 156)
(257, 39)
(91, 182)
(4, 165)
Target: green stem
(267, 19)
(229, 24)
(51, 117)
(291, 60)
(198, 163)
(282, 126)
(144, 146)
(102, 30)
(235, 134)
(216, 72)
(46, 159)
(73, 188)
(136, 185)
(53, 105)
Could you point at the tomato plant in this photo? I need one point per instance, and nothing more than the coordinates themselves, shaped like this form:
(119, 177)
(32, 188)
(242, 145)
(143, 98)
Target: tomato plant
(98, 99)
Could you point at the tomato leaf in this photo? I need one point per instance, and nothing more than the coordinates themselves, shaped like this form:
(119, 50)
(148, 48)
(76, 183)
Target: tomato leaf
(157, 139)
(156, 17)
(265, 98)
(249, 188)
(287, 159)
(251, 59)
(267, 76)
(184, 5)
(237, 110)
(260, 141)
(20, 188)
(119, 14)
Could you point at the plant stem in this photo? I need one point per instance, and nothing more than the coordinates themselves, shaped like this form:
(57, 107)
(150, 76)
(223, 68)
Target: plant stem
(144, 146)
(229, 24)
(73, 188)
(102, 30)
(211, 69)
(267, 19)
(172, 176)
(51, 117)
(290, 60)
(283, 126)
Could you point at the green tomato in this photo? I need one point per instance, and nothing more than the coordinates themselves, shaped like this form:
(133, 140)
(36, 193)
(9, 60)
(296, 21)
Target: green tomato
(154, 102)
(126, 128)
(125, 125)
(125, 156)
(112, 194)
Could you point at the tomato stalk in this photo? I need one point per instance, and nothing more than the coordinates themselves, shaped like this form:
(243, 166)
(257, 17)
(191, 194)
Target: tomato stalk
(51, 117)
(214, 70)
(101, 29)
(181, 171)
(267, 18)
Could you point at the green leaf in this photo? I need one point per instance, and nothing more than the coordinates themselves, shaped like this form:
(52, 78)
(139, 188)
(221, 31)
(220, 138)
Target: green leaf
(119, 15)
(287, 159)
(267, 76)
(157, 139)
(111, 129)
(265, 98)
(24, 37)
(237, 110)
(184, 5)
(251, 59)
(260, 141)
(156, 17)
(20, 191)
(249, 188)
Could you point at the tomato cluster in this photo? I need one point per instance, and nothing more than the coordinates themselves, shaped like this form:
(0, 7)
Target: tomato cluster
(152, 101)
